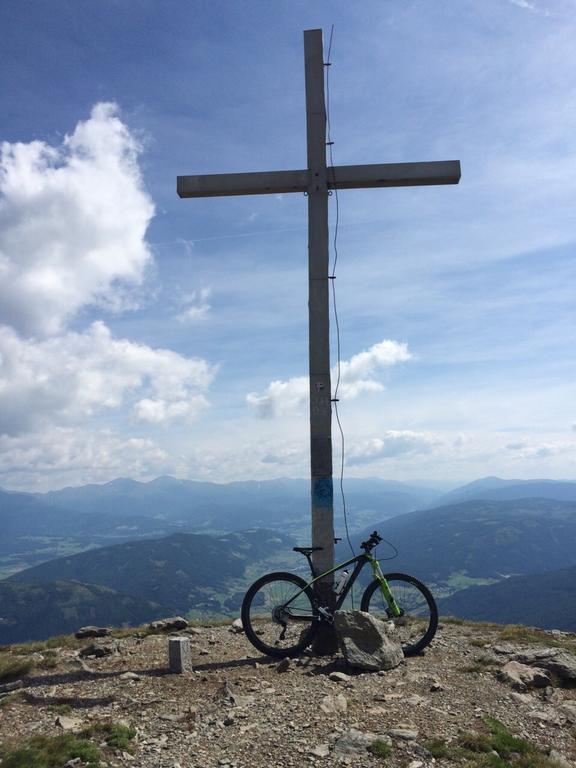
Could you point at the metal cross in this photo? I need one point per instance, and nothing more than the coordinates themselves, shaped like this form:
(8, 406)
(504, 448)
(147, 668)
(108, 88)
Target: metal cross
(317, 180)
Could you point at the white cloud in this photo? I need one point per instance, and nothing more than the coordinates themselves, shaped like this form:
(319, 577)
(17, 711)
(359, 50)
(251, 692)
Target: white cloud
(525, 4)
(392, 444)
(284, 455)
(164, 412)
(75, 375)
(73, 220)
(280, 397)
(61, 456)
(356, 376)
(526, 449)
(196, 306)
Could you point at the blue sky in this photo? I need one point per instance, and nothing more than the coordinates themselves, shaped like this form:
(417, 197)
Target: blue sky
(141, 334)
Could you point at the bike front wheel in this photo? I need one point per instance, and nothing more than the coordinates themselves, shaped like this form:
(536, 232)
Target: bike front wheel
(278, 614)
(417, 625)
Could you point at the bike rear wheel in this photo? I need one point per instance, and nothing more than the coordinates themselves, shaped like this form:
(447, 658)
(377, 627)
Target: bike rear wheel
(419, 621)
(275, 621)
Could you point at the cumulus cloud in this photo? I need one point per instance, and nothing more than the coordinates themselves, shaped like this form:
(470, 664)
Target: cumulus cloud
(75, 375)
(280, 397)
(73, 220)
(391, 445)
(61, 456)
(356, 377)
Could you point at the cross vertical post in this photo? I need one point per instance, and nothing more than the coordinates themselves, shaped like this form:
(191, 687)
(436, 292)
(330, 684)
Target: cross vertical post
(319, 331)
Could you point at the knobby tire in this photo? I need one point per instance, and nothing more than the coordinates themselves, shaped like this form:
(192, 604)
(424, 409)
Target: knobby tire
(260, 628)
(427, 613)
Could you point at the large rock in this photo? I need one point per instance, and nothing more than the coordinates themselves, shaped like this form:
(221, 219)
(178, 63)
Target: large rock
(366, 642)
(521, 677)
(173, 624)
(99, 650)
(557, 661)
(87, 632)
(354, 741)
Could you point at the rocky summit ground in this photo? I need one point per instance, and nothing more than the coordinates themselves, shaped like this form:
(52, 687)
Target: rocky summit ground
(240, 709)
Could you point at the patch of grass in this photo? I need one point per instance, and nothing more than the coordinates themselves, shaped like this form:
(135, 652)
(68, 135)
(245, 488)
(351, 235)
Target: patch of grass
(211, 622)
(498, 749)
(39, 646)
(116, 735)
(437, 748)
(50, 752)
(49, 660)
(504, 742)
(11, 698)
(61, 709)
(13, 668)
(532, 636)
(380, 749)
(479, 642)
(483, 663)
(475, 742)
(454, 620)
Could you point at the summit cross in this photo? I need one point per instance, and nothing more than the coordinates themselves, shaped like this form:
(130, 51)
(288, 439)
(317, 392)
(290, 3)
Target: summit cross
(317, 180)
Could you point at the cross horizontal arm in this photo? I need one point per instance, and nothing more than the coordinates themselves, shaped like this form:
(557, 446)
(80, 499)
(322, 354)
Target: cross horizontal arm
(221, 184)
(339, 177)
(394, 175)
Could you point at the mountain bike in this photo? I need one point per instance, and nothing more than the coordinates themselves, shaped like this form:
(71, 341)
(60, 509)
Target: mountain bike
(281, 613)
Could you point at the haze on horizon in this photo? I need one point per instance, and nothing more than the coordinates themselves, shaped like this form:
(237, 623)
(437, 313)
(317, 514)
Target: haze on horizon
(142, 335)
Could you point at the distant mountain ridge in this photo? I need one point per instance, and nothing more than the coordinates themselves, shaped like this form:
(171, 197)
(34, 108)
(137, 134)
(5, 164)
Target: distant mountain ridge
(481, 539)
(546, 600)
(231, 506)
(39, 527)
(497, 489)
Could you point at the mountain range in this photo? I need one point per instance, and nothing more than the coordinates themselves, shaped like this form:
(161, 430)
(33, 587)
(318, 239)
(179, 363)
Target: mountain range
(134, 539)
(480, 540)
(38, 527)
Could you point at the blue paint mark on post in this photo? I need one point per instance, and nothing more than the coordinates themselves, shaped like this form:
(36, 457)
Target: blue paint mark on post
(322, 492)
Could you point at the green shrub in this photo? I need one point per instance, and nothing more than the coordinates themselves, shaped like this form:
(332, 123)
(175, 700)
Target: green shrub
(437, 748)
(504, 742)
(475, 742)
(380, 748)
(115, 735)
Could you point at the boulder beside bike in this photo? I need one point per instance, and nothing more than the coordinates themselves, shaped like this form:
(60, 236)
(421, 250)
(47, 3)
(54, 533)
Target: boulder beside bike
(366, 642)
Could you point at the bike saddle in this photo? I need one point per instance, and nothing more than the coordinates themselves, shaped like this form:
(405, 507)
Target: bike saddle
(306, 550)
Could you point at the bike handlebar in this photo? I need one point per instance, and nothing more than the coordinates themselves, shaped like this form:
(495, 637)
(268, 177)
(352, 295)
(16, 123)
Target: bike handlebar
(372, 542)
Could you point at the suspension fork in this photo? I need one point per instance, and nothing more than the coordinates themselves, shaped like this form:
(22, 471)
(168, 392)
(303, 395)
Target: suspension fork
(393, 608)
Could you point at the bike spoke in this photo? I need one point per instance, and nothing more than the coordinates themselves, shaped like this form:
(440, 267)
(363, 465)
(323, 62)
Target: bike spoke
(279, 619)
(415, 620)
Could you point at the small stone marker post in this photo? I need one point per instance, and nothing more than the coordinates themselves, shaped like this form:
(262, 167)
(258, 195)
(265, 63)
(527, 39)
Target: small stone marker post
(179, 656)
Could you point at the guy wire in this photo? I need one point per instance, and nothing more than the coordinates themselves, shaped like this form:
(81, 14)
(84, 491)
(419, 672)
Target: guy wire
(333, 280)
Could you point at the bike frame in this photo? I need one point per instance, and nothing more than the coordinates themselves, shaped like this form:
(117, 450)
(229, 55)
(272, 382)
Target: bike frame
(360, 561)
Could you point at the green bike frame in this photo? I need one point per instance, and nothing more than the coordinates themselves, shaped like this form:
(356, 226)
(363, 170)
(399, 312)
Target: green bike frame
(394, 609)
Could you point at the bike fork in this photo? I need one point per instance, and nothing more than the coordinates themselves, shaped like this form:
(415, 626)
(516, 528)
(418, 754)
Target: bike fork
(394, 610)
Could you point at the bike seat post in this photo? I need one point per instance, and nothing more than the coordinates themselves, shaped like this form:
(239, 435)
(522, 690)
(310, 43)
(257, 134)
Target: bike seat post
(309, 558)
